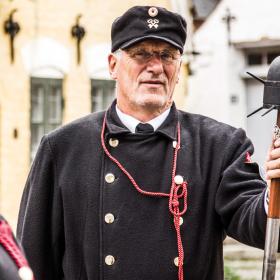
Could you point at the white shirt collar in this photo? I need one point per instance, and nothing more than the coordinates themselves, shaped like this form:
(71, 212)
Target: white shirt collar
(131, 123)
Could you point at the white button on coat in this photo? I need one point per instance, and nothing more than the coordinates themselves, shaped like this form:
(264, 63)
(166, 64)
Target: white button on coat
(109, 260)
(25, 273)
(109, 178)
(176, 261)
(109, 218)
(113, 142)
(178, 179)
(181, 221)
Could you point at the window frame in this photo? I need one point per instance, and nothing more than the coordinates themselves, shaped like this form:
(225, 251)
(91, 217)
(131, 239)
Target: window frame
(106, 87)
(48, 85)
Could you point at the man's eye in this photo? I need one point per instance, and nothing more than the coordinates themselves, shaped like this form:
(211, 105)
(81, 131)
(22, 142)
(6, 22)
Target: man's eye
(166, 56)
(142, 55)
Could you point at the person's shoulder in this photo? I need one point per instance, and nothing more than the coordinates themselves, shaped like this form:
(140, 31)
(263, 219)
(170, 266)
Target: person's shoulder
(77, 133)
(89, 123)
(205, 124)
(210, 132)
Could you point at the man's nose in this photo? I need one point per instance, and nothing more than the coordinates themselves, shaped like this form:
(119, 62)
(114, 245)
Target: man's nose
(155, 65)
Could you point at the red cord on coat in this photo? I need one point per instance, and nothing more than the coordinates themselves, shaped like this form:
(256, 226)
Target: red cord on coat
(9, 244)
(177, 191)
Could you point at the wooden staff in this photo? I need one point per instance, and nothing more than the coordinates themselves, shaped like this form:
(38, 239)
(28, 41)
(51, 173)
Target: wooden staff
(273, 224)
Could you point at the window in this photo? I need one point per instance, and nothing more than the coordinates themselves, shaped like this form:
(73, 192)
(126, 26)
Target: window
(46, 109)
(254, 58)
(102, 94)
(271, 56)
(262, 56)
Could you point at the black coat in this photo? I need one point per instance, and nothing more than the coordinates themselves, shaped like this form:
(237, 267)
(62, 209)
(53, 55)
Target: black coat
(61, 222)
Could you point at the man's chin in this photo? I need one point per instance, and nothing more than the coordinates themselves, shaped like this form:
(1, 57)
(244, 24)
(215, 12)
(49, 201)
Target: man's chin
(152, 101)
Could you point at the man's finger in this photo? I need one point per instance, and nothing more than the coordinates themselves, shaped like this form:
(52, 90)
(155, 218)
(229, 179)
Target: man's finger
(277, 143)
(275, 153)
(272, 174)
(272, 164)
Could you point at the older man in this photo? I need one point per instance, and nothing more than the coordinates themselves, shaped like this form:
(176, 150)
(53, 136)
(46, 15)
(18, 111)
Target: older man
(142, 191)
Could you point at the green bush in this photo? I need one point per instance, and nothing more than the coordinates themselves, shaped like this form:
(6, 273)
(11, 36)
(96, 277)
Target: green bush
(230, 275)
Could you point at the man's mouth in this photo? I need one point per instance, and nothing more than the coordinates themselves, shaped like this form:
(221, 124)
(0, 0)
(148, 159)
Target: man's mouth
(153, 83)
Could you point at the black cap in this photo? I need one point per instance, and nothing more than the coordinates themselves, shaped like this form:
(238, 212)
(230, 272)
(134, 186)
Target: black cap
(148, 22)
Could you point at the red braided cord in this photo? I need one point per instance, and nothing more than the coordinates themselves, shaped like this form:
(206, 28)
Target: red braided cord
(174, 206)
(7, 241)
(174, 194)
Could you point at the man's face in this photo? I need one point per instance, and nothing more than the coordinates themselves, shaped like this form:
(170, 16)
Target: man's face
(146, 75)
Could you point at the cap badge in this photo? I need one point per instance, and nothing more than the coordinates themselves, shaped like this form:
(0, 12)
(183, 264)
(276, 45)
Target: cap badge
(153, 11)
(153, 23)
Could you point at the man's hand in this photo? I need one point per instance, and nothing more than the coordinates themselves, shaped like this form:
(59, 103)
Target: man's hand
(272, 165)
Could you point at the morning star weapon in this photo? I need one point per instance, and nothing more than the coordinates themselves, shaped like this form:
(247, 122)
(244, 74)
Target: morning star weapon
(271, 101)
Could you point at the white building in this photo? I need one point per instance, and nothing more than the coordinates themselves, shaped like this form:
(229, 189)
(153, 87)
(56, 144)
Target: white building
(219, 86)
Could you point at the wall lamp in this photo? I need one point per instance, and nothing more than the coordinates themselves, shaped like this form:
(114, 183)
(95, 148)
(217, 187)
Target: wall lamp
(11, 28)
(78, 32)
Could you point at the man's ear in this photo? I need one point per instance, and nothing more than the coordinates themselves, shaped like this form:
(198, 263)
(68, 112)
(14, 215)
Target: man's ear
(112, 61)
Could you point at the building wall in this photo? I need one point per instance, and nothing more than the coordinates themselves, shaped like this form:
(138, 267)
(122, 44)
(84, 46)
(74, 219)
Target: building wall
(44, 48)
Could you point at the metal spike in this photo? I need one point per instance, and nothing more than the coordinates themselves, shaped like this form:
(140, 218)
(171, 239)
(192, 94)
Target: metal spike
(255, 77)
(255, 112)
(269, 110)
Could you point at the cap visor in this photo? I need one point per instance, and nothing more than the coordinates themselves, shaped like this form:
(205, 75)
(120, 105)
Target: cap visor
(137, 40)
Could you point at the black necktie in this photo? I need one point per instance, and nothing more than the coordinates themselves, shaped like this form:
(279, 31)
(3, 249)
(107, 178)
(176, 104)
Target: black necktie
(144, 128)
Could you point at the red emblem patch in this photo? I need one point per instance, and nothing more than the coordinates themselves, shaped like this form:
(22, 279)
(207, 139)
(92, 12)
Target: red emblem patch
(248, 158)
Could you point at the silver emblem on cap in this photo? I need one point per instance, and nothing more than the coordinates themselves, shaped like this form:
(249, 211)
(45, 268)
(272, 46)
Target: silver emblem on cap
(153, 11)
(153, 23)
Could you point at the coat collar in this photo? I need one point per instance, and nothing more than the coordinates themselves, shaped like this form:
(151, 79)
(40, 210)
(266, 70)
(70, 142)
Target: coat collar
(130, 122)
(167, 128)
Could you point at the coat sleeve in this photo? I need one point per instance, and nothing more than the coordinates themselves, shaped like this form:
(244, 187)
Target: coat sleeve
(240, 195)
(40, 222)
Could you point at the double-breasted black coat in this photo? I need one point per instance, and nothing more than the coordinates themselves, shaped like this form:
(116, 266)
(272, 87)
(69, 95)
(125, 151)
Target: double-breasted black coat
(81, 218)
